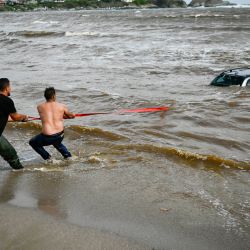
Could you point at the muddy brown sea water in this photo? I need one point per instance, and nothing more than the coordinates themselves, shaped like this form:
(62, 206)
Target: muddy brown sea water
(174, 180)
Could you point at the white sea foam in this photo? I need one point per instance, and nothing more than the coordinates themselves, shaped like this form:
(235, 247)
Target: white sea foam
(86, 33)
(45, 22)
(44, 169)
(230, 221)
(40, 22)
(235, 6)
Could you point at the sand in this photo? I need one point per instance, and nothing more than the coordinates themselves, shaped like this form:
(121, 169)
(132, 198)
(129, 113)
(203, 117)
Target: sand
(28, 229)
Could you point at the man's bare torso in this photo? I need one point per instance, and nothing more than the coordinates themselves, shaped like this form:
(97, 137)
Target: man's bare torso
(51, 114)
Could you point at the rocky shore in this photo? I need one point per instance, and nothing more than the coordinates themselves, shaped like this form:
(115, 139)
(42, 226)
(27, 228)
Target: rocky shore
(209, 3)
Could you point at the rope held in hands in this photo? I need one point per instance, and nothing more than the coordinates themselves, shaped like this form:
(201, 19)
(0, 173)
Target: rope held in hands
(122, 111)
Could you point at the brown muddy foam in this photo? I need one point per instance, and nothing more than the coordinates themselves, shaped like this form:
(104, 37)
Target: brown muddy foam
(96, 132)
(188, 158)
(34, 126)
(83, 130)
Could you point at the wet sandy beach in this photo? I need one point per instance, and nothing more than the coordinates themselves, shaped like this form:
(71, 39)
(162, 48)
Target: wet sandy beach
(27, 229)
(55, 208)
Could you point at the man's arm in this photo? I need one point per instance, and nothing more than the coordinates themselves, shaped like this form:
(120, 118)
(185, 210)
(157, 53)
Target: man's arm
(18, 117)
(67, 114)
(13, 115)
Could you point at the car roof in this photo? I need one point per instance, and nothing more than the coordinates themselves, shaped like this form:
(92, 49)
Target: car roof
(245, 72)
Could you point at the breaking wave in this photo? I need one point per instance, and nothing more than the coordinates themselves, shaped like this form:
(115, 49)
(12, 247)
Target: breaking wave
(189, 158)
(27, 33)
(44, 33)
(87, 33)
(81, 130)
(28, 126)
(207, 161)
(97, 132)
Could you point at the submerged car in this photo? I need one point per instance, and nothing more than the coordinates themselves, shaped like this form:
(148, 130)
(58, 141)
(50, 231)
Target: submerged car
(240, 76)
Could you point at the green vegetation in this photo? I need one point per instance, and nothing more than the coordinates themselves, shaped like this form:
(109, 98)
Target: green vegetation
(141, 2)
(67, 4)
(89, 4)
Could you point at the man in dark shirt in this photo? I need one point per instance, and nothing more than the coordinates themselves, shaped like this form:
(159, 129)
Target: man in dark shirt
(7, 109)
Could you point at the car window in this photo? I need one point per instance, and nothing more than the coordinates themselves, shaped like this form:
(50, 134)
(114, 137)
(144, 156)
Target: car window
(236, 80)
(248, 83)
(223, 79)
(220, 79)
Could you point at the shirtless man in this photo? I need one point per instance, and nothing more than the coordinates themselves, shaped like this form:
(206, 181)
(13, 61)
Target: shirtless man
(52, 114)
(8, 112)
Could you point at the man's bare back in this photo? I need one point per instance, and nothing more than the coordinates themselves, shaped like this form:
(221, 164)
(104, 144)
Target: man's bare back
(52, 114)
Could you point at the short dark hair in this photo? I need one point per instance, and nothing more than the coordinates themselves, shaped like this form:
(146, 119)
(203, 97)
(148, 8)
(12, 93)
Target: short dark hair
(49, 93)
(4, 83)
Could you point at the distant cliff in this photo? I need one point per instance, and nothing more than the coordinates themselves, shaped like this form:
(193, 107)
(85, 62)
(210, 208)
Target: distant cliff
(171, 3)
(209, 3)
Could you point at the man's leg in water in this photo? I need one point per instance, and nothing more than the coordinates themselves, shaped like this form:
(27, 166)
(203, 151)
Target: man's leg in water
(62, 149)
(9, 153)
(37, 144)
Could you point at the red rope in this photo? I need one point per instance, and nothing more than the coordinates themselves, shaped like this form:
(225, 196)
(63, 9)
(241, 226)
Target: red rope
(139, 110)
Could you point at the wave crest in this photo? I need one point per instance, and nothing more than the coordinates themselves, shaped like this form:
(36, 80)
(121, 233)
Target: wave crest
(26, 33)
(189, 158)
(209, 161)
(96, 132)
